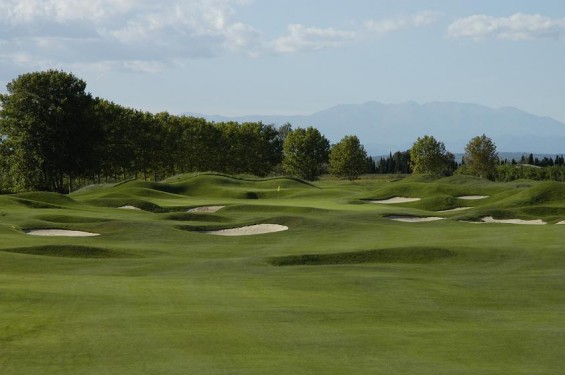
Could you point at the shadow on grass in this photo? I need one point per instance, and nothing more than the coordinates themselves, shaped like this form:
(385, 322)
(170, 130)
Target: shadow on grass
(69, 251)
(398, 255)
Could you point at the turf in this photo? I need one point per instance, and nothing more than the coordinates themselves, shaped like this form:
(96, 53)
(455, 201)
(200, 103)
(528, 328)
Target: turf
(344, 291)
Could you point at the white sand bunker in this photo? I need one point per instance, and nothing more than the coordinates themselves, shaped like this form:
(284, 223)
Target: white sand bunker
(561, 222)
(473, 197)
(457, 209)
(396, 200)
(250, 230)
(490, 219)
(60, 233)
(414, 219)
(206, 209)
(127, 207)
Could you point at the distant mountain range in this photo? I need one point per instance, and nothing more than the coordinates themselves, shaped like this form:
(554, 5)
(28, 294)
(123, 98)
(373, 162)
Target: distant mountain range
(385, 128)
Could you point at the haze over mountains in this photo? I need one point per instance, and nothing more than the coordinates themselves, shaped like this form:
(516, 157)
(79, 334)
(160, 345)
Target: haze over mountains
(385, 128)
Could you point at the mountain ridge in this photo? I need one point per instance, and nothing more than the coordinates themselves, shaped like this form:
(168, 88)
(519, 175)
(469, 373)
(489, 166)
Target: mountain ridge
(385, 128)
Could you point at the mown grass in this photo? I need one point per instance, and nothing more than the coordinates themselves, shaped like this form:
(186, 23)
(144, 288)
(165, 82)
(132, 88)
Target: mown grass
(358, 293)
(67, 251)
(400, 255)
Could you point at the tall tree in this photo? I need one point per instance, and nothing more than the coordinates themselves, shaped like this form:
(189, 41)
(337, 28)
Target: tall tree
(481, 158)
(305, 153)
(428, 156)
(348, 158)
(47, 118)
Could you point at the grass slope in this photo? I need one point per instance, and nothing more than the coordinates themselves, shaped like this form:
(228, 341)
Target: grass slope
(359, 294)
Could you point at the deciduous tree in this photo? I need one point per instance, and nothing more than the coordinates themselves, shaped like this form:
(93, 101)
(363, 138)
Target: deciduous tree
(305, 153)
(428, 156)
(348, 158)
(481, 158)
(47, 118)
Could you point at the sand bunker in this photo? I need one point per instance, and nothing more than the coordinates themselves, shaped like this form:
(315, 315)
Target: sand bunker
(396, 200)
(473, 197)
(561, 222)
(414, 219)
(60, 233)
(490, 219)
(250, 230)
(206, 209)
(129, 208)
(457, 209)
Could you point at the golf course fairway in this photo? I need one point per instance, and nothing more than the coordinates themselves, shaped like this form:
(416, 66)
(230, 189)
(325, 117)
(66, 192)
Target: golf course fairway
(340, 288)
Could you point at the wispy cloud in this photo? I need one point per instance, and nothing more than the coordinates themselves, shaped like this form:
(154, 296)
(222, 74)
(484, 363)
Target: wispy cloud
(132, 33)
(302, 38)
(148, 35)
(385, 26)
(518, 26)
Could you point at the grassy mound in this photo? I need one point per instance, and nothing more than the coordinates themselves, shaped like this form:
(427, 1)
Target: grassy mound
(199, 185)
(188, 216)
(43, 200)
(68, 251)
(125, 201)
(68, 219)
(398, 255)
(223, 186)
(444, 188)
(541, 193)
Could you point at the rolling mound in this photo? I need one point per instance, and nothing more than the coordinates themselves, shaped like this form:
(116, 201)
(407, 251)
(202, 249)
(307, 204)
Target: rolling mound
(68, 219)
(548, 192)
(68, 251)
(223, 186)
(43, 200)
(398, 255)
(189, 216)
(141, 205)
(205, 185)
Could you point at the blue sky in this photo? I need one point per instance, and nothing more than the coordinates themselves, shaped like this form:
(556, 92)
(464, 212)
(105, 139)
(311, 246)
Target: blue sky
(235, 57)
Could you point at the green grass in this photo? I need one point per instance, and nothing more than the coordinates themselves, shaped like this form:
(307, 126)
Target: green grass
(400, 255)
(344, 291)
(67, 251)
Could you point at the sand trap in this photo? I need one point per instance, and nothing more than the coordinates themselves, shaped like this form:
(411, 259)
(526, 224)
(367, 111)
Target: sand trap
(457, 209)
(414, 219)
(396, 200)
(490, 219)
(561, 222)
(60, 233)
(206, 209)
(129, 208)
(473, 197)
(250, 230)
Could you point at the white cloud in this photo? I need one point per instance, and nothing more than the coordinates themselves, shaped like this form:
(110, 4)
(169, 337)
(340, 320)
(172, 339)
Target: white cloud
(127, 31)
(302, 38)
(149, 35)
(518, 26)
(385, 26)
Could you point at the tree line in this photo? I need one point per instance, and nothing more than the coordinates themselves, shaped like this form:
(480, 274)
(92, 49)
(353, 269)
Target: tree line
(55, 136)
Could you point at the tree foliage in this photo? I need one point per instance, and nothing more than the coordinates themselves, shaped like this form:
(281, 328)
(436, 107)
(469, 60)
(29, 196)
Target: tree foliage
(54, 135)
(399, 162)
(305, 153)
(348, 158)
(481, 158)
(47, 119)
(428, 156)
